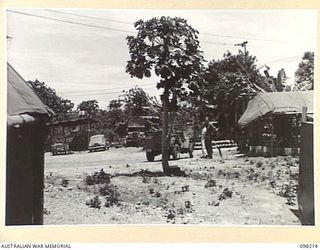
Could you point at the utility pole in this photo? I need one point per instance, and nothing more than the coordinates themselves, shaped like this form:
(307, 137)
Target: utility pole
(244, 46)
(236, 108)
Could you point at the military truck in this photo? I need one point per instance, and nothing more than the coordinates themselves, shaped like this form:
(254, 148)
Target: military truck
(137, 129)
(134, 138)
(179, 143)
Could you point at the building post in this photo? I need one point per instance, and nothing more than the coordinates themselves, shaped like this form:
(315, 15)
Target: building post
(304, 114)
(271, 142)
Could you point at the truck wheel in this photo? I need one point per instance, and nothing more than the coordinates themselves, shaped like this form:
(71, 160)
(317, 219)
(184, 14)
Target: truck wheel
(150, 156)
(169, 154)
(176, 152)
(191, 150)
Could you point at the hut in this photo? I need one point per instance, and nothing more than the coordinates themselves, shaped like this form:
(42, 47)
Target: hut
(271, 122)
(26, 132)
(74, 131)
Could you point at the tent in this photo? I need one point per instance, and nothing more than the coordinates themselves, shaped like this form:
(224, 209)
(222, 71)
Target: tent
(21, 98)
(26, 132)
(276, 103)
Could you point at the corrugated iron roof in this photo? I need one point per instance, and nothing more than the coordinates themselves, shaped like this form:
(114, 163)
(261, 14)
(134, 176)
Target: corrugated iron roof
(276, 103)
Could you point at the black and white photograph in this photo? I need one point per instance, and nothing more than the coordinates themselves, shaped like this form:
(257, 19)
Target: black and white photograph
(160, 117)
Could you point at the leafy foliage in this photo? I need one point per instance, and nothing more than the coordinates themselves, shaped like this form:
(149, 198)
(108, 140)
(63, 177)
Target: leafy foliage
(111, 194)
(226, 193)
(225, 83)
(170, 48)
(64, 182)
(226, 79)
(89, 107)
(168, 45)
(48, 95)
(94, 203)
(137, 103)
(305, 72)
(98, 178)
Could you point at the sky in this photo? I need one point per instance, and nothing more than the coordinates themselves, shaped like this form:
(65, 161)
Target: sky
(85, 62)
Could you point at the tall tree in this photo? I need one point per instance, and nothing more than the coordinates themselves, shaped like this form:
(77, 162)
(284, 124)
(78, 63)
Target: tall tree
(48, 95)
(305, 72)
(227, 82)
(170, 48)
(89, 107)
(115, 113)
(136, 101)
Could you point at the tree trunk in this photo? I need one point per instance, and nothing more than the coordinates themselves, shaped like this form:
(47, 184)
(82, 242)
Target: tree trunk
(164, 141)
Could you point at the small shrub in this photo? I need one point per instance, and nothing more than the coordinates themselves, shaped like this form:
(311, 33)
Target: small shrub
(221, 173)
(253, 176)
(187, 204)
(236, 174)
(210, 183)
(157, 194)
(226, 193)
(64, 182)
(180, 211)
(94, 203)
(214, 203)
(171, 216)
(259, 164)
(104, 190)
(146, 179)
(112, 197)
(46, 211)
(289, 192)
(263, 178)
(272, 184)
(98, 178)
(185, 188)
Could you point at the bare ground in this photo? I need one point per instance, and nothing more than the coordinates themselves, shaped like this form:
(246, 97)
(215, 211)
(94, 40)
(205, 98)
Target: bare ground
(239, 191)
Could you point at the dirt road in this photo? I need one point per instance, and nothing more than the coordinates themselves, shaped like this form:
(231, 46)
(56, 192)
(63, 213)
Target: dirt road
(239, 191)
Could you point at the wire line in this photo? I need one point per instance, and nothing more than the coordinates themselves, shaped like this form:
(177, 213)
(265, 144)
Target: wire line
(127, 31)
(103, 93)
(70, 22)
(92, 17)
(283, 59)
(248, 38)
(210, 34)
(106, 89)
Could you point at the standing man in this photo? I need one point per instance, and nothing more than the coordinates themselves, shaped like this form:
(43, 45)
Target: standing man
(211, 134)
(203, 138)
(208, 137)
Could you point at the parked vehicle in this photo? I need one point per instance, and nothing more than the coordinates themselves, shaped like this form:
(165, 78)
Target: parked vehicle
(134, 139)
(97, 142)
(178, 144)
(60, 148)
